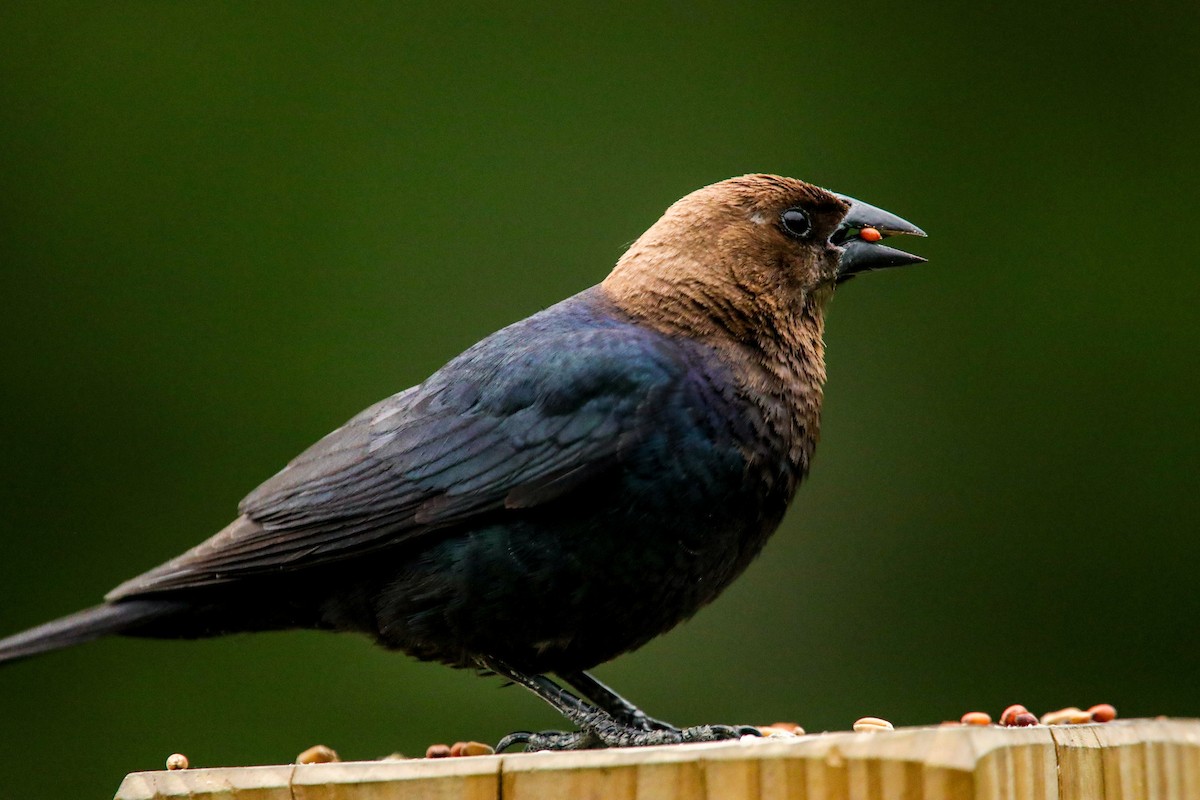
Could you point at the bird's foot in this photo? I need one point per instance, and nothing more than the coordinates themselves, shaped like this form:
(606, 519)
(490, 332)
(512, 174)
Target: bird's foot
(615, 723)
(550, 740)
(617, 707)
(642, 721)
(611, 733)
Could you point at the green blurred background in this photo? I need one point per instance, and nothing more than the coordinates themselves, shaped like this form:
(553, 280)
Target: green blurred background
(225, 228)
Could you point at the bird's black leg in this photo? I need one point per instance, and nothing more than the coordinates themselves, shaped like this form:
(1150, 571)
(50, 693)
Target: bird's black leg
(597, 728)
(567, 704)
(617, 707)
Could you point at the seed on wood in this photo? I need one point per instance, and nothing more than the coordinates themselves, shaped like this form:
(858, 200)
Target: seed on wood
(1009, 716)
(872, 724)
(177, 761)
(318, 754)
(1064, 716)
(976, 718)
(471, 749)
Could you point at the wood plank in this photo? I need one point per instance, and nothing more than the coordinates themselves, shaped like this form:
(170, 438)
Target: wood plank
(1123, 760)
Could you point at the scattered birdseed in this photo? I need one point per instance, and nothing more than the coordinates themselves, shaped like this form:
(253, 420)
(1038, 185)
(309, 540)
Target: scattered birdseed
(1063, 716)
(1067, 716)
(1024, 720)
(781, 729)
(318, 754)
(769, 731)
(177, 761)
(437, 751)
(459, 749)
(873, 724)
(976, 718)
(1009, 717)
(1102, 712)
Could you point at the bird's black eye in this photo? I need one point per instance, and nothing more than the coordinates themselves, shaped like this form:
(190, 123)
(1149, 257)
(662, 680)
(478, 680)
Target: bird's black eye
(795, 223)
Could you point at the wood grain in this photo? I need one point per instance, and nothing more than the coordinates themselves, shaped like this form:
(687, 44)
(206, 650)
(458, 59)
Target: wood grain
(1124, 760)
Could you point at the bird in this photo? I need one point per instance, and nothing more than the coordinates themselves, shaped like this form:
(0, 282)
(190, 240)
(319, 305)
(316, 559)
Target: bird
(565, 490)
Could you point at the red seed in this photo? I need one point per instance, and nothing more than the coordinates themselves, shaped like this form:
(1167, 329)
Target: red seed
(1103, 713)
(1009, 716)
(870, 235)
(437, 751)
(976, 718)
(1025, 719)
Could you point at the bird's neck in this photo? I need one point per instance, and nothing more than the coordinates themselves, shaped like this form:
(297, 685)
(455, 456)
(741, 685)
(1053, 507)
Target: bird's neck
(771, 341)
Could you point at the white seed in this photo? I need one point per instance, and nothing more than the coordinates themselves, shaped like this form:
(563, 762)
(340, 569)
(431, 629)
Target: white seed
(177, 761)
(873, 724)
(318, 754)
(1064, 716)
(778, 732)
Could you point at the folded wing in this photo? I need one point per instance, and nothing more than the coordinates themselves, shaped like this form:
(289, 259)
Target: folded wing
(516, 421)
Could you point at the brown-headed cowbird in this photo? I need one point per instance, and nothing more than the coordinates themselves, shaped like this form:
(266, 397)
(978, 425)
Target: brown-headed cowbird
(566, 489)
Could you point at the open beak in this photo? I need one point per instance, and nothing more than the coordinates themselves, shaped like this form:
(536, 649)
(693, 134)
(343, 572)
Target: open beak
(859, 235)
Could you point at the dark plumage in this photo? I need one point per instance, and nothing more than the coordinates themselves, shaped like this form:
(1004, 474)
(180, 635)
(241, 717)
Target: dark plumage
(565, 490)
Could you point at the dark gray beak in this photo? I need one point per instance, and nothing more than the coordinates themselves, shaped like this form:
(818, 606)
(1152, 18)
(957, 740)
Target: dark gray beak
(860, 254)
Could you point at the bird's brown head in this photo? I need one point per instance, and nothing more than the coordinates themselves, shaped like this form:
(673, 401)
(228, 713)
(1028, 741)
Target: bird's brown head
(751, 257)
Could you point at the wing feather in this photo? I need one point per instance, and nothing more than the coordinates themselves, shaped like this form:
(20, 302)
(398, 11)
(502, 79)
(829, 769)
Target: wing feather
(515, 422)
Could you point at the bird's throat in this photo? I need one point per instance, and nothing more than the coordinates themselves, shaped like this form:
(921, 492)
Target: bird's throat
(773, 346)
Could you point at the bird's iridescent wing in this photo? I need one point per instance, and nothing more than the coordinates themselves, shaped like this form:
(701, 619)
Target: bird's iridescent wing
(517, 421)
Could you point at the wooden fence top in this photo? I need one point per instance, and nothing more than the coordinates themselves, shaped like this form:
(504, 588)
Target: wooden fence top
(1125, 760)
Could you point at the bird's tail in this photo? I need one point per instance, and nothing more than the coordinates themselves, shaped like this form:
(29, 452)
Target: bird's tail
(82, 626)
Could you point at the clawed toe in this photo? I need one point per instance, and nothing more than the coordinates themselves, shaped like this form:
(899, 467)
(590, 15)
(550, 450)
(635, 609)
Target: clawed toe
(514, 738)
(550, 740)
(642, 721)
(718, 733)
